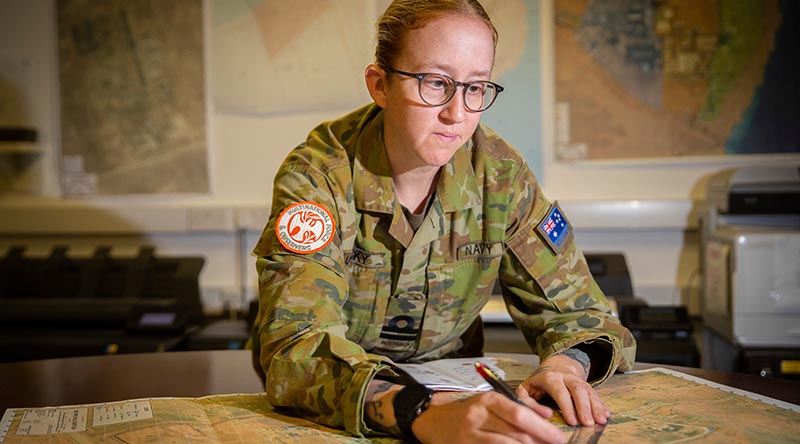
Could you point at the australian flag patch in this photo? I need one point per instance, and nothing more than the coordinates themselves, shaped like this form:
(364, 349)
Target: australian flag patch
(555, 229)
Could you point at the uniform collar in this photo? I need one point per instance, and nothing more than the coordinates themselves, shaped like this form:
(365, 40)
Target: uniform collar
(458, 187)
(372, 175)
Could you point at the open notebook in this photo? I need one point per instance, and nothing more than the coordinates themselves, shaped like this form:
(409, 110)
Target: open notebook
(454, 375)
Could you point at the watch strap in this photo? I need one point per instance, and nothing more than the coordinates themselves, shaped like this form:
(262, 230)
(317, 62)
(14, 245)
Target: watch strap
(408, 404)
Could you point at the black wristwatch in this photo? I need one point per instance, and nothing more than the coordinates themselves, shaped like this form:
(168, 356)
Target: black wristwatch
(409, 403)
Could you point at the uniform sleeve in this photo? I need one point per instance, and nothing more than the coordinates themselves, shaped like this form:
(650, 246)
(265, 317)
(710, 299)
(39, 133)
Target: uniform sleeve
(299, 337)
(552, 296)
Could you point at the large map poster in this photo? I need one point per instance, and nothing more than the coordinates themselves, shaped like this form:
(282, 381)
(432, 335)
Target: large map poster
(273, 57)
(644, 79)
(132, 97)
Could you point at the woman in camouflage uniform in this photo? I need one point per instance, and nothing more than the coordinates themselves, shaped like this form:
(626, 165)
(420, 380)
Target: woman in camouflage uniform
(389, 227)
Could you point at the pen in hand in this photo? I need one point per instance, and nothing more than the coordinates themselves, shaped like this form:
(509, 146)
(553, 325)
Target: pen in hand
(497, 383)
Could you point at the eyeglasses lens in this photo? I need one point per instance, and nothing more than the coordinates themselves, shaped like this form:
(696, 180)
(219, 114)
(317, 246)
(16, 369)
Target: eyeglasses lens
(437, 90)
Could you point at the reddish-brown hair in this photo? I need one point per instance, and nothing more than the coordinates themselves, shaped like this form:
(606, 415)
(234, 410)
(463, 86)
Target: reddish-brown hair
(404, 15)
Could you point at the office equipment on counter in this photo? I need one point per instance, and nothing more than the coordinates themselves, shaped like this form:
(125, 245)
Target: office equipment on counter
(222, 334)
(751, 256)
(752, 293)
(758, 190)
(664, 334)
(59, 306)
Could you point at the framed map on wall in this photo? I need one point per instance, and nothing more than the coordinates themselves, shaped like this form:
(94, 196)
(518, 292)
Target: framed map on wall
(641, 79)
(132, 93)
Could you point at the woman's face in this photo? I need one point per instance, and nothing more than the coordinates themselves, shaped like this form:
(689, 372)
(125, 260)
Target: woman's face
(417, 134)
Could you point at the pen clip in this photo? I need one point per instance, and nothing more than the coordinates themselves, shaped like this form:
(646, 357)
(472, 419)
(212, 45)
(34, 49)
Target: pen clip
(484, 370)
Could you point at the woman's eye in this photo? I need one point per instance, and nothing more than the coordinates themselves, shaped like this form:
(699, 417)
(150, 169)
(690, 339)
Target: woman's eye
(436, 83)
(476, 89)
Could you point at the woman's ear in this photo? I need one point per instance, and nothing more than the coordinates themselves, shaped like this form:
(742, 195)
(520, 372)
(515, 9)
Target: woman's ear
(376, 84)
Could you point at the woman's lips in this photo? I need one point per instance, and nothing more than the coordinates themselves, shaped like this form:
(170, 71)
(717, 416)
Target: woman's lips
(448, 137)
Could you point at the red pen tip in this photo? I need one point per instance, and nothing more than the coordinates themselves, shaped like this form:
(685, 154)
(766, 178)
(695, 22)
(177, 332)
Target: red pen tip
(482, 369)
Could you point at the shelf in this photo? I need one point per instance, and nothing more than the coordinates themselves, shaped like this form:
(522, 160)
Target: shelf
(18, 140)
(19, 148)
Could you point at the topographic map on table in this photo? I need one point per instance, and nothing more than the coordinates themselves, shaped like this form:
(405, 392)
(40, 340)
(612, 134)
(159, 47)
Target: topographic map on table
(654, 406)
(661, 406)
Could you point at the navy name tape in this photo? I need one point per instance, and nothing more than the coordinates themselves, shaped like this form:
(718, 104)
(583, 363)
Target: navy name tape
(555, 228)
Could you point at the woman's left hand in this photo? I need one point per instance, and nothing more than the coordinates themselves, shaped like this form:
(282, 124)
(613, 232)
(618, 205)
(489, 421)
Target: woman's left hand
(564, 379)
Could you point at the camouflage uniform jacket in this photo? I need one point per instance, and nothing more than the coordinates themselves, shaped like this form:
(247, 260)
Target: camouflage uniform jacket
(379, 292)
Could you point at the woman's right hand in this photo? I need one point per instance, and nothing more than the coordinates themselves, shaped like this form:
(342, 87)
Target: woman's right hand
(486, 418)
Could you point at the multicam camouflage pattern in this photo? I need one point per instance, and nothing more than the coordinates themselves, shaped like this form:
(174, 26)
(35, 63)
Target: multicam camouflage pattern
(329, 321)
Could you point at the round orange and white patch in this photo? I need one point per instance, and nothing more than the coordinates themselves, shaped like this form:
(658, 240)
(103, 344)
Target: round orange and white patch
(305, 227)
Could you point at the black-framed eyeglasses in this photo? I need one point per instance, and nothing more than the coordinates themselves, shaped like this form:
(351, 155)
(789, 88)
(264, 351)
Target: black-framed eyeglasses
(438, 89)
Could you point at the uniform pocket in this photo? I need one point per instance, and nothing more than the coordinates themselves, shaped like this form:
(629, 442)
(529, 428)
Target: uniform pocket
(366, 300)
(456, 294)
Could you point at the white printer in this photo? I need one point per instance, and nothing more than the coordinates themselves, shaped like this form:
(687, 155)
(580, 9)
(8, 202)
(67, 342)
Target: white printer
(752, 285)
(751, 263)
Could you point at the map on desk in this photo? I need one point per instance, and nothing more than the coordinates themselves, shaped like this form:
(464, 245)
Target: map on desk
(653, 406)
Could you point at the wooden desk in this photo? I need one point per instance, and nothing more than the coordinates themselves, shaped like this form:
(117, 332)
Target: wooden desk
(95, 379)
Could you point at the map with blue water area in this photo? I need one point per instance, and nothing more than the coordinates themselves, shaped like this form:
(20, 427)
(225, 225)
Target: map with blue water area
(642, 79)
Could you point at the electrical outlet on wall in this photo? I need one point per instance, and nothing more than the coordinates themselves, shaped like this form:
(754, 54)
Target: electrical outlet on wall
(211, 219)
(251, 218)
